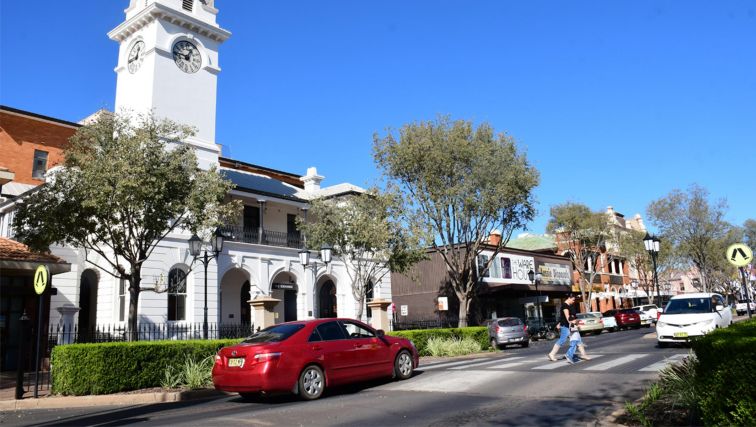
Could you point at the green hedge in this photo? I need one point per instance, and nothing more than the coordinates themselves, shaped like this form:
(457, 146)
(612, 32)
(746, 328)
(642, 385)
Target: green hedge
(103, 368)
(420, 336)
(726, 375)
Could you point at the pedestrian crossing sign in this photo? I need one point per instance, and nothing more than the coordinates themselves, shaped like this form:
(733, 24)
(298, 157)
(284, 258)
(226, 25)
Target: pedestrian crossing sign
(739, 255)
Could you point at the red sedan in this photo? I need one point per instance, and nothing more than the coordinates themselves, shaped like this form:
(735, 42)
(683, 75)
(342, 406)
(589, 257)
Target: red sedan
(305, 357)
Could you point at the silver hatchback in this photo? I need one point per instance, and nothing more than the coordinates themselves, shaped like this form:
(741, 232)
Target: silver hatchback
(506, 331)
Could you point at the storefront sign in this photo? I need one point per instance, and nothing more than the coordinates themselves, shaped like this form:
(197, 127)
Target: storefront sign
(511, 269)
(404, 310)
(443, 303)
(555, 274)
(285, 286)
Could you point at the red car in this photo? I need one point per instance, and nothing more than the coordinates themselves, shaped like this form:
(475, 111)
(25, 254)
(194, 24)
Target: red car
(306, 357)
(626, 318)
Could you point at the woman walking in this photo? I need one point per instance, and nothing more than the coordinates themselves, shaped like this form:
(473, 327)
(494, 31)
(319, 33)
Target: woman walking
(567, 319)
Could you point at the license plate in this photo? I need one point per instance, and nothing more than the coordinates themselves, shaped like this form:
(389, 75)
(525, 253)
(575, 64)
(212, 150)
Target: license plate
(236, 362)
(681, 334)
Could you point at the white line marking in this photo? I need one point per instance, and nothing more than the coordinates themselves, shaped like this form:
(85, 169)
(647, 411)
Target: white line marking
(444, 365)
(488, 362)
(615, 362)
(448, 382)
(658, 366)
(562, 362)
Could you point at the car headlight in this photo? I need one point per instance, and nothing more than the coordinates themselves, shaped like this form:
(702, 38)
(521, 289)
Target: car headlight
(660, 324)
(704, 322)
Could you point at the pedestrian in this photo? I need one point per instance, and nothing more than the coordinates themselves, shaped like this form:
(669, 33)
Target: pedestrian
(563, 325)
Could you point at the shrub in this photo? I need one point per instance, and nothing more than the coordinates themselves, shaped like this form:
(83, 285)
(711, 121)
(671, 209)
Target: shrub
(191, 374)
(726, 375)
(452, 346)
(420, 337)
(102, 368)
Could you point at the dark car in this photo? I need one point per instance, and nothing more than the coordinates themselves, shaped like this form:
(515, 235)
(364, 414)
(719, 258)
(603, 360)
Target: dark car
(306, 357)
(507, 331)
(625, 317)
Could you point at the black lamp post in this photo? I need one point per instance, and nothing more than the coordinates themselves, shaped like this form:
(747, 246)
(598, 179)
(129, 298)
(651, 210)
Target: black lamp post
(536, 279)
(195, 246)
(325, 255)
(652, 246)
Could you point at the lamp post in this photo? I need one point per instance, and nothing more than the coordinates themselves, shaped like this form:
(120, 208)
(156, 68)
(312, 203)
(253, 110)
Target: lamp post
(195, 246)
(536, 279)
(634, 284)
(304, 259)
(652, 247)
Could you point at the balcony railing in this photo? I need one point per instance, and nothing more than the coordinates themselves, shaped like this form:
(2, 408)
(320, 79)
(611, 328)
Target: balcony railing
(237, 233)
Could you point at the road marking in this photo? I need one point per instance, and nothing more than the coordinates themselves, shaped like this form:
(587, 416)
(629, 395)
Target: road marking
(444, 365)
(658, 366)
(562, 363)
(448, 382)
(616, 362)
(489, 362)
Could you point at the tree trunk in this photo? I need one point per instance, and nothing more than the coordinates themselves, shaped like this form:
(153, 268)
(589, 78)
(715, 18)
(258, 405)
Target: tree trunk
(135, 280)
(462, 309)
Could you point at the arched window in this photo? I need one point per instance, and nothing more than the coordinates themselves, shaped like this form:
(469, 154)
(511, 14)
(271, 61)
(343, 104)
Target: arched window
(176, 294)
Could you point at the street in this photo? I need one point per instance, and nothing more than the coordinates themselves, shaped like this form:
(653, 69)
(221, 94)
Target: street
(513, 387)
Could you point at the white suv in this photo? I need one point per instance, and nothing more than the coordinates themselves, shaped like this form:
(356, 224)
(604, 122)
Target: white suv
(691, 315)
(648, 313)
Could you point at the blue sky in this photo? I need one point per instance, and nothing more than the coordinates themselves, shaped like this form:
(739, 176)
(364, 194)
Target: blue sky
(615, 102)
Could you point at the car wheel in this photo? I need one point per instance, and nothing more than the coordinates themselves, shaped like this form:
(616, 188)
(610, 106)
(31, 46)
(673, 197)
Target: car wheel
(598, 332)
(311, 383)
(525, 344)
(494, 345)
(403, 365)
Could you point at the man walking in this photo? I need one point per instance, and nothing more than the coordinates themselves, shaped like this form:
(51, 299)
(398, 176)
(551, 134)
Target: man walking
(566, 318)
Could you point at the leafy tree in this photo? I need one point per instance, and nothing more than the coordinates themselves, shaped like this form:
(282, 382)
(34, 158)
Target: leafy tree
(694, 226)
(125, 185)
(632, 249)
(458, 183)
(749, 229)
(584, 235)
(365, 231)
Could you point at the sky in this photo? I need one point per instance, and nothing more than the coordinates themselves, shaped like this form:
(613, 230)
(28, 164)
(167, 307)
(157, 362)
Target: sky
(616, 103)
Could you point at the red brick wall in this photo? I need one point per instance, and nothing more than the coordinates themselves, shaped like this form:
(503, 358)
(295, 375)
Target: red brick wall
(20, 135)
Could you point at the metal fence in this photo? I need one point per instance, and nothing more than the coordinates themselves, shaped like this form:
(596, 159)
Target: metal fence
(402, 323)
(262, 236)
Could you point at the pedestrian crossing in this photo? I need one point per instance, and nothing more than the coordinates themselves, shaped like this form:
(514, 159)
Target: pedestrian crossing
(633, 362)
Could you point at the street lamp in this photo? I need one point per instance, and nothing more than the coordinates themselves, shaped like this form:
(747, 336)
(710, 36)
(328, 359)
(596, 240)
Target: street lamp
(536, 279)
(652, 247)
(325, 255)
(634, 284)
(195, 246)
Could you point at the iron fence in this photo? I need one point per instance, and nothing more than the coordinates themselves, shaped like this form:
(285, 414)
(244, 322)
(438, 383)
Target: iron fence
(60, 334)
(267, 237)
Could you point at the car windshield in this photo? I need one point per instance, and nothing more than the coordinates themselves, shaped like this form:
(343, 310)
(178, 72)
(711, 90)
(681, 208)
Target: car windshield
(688, 305)
(628, 311)
(274, 333)
(588, 315)
(510, 322)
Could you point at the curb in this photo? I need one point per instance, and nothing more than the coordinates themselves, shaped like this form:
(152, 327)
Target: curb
(57, 402)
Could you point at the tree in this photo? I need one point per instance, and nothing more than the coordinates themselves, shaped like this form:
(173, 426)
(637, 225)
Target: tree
(458, 183)
(749, 228)
(125, 185)
(694, 226)
(632, 249)
(365, 231)
(584, 235)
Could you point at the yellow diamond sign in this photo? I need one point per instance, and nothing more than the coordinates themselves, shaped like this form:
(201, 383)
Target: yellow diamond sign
(41, 279)
(739, 255)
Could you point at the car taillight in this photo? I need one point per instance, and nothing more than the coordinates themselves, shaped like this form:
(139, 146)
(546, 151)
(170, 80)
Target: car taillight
(497, 328)
(265, 357)
(580, 322)
(524, 328)
(218, 358)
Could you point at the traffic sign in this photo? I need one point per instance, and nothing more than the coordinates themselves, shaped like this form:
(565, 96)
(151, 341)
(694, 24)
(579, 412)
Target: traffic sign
(41, 279)
(739, 255)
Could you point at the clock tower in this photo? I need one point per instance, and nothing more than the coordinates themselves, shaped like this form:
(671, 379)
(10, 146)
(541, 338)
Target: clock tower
(168, 64)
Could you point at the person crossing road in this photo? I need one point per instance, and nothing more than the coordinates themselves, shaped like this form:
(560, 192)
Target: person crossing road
(566, 319)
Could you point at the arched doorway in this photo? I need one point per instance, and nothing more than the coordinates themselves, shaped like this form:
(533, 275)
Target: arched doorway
(284, 287)
(235, 292)
(245, 313)
(87, 304)
(327, 300)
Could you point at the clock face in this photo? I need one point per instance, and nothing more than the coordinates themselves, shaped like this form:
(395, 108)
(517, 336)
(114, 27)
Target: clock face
(187, 56)
(136, 56)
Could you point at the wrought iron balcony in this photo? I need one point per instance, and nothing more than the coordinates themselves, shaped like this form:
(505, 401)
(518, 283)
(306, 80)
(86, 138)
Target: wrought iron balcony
(236, 233)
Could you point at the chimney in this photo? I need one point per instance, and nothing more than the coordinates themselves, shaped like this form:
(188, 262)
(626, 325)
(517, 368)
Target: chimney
(311, 180)
(494, 238)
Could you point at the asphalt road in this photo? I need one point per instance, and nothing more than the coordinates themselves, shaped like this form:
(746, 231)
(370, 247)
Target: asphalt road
(514, 387)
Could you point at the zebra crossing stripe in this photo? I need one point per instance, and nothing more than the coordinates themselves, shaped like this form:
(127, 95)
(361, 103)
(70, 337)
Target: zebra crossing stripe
(490, 362)
(445, 365)
(658, 366)
(561, 363)
(616, 362)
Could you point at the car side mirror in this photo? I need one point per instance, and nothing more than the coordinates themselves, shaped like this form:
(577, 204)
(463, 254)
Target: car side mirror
(380, 333)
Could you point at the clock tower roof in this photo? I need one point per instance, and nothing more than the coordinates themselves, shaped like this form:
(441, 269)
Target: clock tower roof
(197, 16)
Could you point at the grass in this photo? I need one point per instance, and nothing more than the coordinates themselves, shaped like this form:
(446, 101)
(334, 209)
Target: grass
(452, 346)
(192, 374)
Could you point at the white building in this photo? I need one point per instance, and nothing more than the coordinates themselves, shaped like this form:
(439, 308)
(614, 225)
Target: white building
(165, 47)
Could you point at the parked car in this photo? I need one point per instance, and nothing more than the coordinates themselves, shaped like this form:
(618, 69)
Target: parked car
(691, 315)
(590, 322)
(648, 312)
(307, 356)
(610, 323)
(508, 331)
(742, 307)
(625, 318)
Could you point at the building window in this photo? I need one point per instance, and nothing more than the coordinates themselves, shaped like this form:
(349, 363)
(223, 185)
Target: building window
(495, 269)
(176, 294)
(482, 260)
(40, 164)
(506, 268)
(121, 300)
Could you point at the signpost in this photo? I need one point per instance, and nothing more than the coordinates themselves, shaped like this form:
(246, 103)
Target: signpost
(41, 283)
(741, 255)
